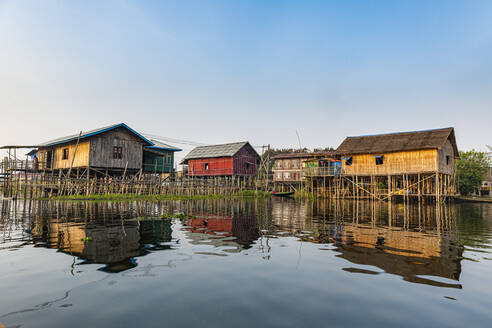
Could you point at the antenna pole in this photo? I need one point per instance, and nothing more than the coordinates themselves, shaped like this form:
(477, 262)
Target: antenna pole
(299, 140)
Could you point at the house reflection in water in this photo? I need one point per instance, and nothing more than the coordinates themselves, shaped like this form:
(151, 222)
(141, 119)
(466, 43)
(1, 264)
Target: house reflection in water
(235, 228)
(114, 243)
(393, 240)
(405, 253)
(155, 234)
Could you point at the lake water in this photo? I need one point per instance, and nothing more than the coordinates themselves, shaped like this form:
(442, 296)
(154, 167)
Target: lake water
(235, 263)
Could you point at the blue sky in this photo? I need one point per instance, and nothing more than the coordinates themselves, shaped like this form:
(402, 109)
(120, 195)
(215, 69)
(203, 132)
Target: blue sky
(222, 71)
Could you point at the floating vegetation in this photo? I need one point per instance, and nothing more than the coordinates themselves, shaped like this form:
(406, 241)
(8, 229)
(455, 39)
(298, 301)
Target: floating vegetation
(86, 239)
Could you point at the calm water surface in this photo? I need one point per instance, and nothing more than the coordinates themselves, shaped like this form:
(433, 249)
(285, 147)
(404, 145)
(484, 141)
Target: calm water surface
(272, 263)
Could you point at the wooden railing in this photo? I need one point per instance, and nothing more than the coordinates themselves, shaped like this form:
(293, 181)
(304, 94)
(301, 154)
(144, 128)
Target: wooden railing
(321, 171)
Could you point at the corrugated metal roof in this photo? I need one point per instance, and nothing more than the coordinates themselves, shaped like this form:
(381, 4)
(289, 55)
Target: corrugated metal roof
(162, 146)
(224, 150)
(92, 133)
(401, 141)
(292, 155)
(303, 155)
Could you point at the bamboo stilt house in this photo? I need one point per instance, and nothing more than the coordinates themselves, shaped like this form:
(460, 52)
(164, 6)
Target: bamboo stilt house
(429, 151)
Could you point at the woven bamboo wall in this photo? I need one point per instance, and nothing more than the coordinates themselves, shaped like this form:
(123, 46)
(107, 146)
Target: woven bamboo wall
(411, 162)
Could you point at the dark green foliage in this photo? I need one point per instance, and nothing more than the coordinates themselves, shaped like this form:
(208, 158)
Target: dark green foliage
(471, 169)
(382, 185)
(324, 150)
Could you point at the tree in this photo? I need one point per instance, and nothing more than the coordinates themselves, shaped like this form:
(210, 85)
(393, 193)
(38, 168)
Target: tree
(471, 169)
(324, 150)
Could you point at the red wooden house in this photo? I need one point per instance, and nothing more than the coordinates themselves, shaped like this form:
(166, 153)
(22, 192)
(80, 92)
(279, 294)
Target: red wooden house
(233, 159)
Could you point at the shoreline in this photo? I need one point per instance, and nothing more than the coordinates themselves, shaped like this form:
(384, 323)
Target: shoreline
(473, 199)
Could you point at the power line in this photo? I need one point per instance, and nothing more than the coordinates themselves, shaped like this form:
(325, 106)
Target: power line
(172, 140)
(180, 141)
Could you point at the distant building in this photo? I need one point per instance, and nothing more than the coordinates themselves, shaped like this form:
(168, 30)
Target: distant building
(232, 159)
(293, 168)
(288, 167)
(486, 187)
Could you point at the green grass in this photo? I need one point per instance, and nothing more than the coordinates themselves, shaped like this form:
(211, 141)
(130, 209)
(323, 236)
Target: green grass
(303, 194)
(252, 193)
(123, 197)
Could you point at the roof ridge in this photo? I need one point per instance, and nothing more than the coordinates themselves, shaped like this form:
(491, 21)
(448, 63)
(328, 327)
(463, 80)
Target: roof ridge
(219, 150)
(399, 141)
(89, 133)
(402, 132)
(228, 143)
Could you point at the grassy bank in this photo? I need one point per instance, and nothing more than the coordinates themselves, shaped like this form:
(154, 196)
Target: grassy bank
(127, 197)
(303, 194)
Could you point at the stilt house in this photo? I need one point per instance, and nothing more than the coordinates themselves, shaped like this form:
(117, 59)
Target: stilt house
(232, 159)
(420, 163)
(288, 167)
(430, 151)
(293, 168)
(112, 149)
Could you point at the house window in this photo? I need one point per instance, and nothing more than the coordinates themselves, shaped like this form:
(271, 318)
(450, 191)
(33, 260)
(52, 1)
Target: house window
(348, 161)
(117, 152)
(447, 160)
(248, 166)
(206, 166)
(379, 160)
(65, 153)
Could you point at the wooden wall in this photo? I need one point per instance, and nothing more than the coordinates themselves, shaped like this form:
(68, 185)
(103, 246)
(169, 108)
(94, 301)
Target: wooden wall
(394, 163)
(159, 163)
(446, 150)
(216, 166)
(245, 162)
(287, 169)
(81, 156)
(101, 150)
(42, 159)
